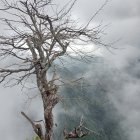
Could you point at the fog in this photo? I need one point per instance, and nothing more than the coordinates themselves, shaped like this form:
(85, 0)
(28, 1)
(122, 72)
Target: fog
(118, 73)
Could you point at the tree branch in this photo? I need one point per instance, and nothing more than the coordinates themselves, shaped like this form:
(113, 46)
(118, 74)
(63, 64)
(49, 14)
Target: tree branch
(37, 127)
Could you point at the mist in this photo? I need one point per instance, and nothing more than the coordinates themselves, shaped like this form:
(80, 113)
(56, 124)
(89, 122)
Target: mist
(117, 73)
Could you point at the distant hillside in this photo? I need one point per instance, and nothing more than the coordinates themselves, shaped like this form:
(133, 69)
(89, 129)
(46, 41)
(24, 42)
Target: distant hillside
(91, 101)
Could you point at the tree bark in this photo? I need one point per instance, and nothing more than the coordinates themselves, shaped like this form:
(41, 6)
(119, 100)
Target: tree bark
(49, 97)
(48, 123)
(49, 104)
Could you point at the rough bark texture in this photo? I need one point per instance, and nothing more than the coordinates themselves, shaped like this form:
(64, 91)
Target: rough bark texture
(50, 99)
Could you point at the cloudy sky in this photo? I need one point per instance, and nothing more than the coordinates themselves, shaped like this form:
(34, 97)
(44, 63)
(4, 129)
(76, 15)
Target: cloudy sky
(123, 20)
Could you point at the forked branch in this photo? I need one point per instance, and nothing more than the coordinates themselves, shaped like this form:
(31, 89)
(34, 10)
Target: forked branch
(37, 127)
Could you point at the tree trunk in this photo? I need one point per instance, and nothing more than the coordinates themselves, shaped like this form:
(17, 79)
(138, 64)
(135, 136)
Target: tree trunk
(49, 124)
(49, 97)
(50, 101)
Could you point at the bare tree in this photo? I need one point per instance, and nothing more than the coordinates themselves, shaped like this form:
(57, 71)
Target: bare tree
(41, 33)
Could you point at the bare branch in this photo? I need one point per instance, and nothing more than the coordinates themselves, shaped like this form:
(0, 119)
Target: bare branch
(37, 127)
(78, 132)
(15, 70)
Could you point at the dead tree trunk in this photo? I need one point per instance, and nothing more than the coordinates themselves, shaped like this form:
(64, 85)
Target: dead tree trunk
(50, 103)
(48, 92)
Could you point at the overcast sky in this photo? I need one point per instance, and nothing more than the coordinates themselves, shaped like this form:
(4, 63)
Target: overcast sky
(123, 20)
